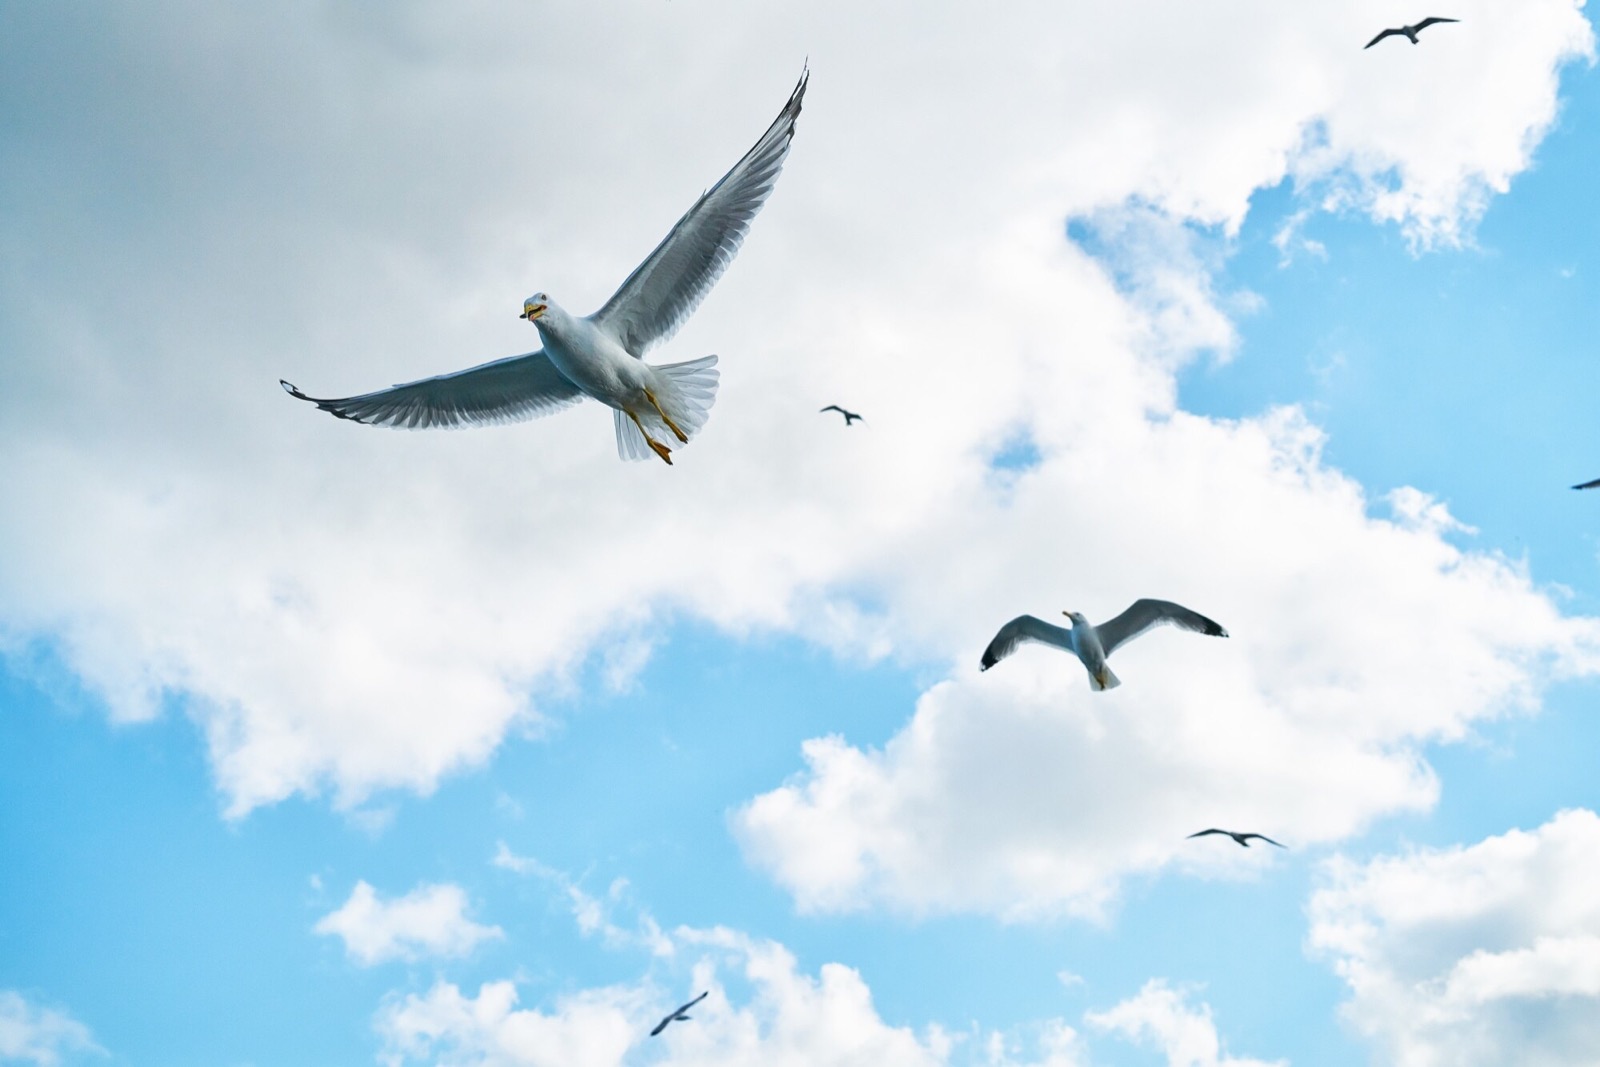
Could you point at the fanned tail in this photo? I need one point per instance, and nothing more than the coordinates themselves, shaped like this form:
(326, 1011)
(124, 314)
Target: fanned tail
(1104, 680)
(686, 391)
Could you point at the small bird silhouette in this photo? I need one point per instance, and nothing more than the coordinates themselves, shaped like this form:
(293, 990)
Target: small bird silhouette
(850, 417)
(678, 1014)
(1408, 32)
(1589, 485)
(1243, 839)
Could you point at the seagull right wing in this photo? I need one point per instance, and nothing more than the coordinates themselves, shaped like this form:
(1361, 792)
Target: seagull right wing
(1147, 613)
(1264, 837)
(833, 407)
(1025, 628)
(1429, 21)
(1213, 830)
(664, 290)
(1588, 485)
(1381, 36)
(507, 390)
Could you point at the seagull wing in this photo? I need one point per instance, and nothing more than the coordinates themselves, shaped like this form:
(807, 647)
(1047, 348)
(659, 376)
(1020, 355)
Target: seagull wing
(1264, 837)
(507, 390)
(662, 1025)
(1213, 830)
(664, 290)
(1429, 21)
(1147, 613)
(1381, 36)
(834, 407)
(1588, 485)
(1025, 628)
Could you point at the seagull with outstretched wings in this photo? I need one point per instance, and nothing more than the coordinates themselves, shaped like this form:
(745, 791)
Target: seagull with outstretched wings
(602, 355)
(1242, 839)
(850, 417)
(678, 1014)
(1408, 32)
(1092, 644)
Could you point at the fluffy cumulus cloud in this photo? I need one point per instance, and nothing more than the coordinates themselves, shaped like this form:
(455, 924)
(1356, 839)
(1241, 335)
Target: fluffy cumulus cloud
(30, 1033)
(1163, 1017)
(204, 199)
(430, 920)
(762, 1011)
(1484, 954)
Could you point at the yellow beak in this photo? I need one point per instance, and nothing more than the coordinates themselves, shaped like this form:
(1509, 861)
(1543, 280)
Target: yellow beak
(532, 311)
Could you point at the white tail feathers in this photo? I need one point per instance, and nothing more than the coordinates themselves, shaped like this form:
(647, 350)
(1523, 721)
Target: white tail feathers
(1104, 680)
(686, 392)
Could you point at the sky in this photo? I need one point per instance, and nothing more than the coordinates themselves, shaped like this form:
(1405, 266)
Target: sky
(322, 743)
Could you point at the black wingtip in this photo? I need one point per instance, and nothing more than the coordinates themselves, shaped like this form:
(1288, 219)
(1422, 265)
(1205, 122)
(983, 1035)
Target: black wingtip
(292, 391)
(1588, 485)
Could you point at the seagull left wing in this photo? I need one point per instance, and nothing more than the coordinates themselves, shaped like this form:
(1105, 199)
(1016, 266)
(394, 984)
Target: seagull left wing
(1025, 628)
(507, 390)
(1144, 614)
(1381, 36)
(664, 290)
(1424, 24)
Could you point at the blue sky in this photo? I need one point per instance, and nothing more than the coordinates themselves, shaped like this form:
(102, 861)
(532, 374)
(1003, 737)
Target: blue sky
(251, 658)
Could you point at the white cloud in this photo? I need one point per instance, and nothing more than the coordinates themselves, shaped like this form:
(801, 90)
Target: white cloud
(787, 1018)
(1486, 954)
(352, 610)
(1162, 1016)
(33, 1034)
(594, 915)
(430, 920)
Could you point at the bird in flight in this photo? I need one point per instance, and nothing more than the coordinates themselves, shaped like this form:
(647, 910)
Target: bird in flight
(1408, 32)
(850, 417)
(1243, 839)
(679, 1014)
(1092, 644)
(1589, 485)
(602, 355)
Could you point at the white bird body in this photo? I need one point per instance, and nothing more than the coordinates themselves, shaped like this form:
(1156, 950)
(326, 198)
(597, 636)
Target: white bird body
(589, 357)
(1092, 644)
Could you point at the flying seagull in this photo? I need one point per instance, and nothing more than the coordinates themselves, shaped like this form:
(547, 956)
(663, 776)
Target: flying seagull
(1408, 32)
(1589, 485)
(678, 1015)
(602, 355)
(1092, 644)
(1243, 839)
(850, 417)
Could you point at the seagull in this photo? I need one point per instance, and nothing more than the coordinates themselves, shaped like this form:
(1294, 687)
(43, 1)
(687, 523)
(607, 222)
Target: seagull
(1589, 485)
(1243, 839)
(1092, 644)
(850, 417)
(678, 1015)
(601, 355)
(1408, 32)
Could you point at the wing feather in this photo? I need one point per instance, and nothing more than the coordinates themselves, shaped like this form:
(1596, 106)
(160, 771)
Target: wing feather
(507, 390)
(664, 290)
(1146, 613)
(1381, 36)
(1025, 628)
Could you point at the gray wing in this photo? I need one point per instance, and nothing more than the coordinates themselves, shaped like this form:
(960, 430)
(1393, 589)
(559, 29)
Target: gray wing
(1424, 24)
(664, 290)
(507, 390)
(1147, 613)
(1381, 36)
(1264, 837)
(1025, 628)
(1588, 485)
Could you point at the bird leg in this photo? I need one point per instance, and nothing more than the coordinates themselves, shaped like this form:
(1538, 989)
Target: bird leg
(648, 395)
(655, 446)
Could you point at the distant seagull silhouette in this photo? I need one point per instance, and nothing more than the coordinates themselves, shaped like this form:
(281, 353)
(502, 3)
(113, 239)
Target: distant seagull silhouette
(1243, 839)
(1092, 644)
(1589, 485)
(1408, 32)
(679, 1015)
(849, 416)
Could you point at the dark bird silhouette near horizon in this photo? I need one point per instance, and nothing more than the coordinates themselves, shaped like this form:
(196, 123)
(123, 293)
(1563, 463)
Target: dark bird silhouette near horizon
(850, 417)
(678, 1014)
(1092, 644)
(1589, 485)
(1242, 839)
(1408, 32)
